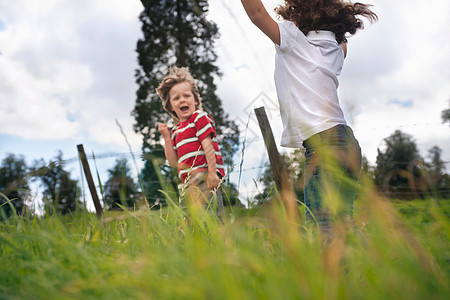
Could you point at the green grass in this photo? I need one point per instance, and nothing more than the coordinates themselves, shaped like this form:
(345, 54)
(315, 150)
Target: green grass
(257, 254)
(421, 211)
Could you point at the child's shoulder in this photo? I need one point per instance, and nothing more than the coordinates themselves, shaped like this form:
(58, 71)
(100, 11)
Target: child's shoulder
(199, 114)
(202, 115)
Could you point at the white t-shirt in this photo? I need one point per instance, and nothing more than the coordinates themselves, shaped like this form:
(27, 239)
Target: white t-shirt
(306, 70)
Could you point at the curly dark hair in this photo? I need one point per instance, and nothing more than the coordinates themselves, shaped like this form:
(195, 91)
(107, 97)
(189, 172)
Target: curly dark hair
(338, 16)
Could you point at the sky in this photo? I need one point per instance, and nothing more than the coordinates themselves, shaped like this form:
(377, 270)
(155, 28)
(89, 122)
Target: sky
(67, 78)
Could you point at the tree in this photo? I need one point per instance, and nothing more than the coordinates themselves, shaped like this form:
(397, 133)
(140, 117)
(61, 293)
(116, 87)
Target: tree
(295, 163)
(60, 191)
(230, 194)
(366, 168)
(14, 184)
(398, 166)
(268, 186)
(176, 33)
(120, 187)
(436, 165)
(437, 180)
(445, 115)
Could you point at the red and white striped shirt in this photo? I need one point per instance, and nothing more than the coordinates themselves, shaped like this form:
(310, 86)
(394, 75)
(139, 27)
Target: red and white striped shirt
(186, 140)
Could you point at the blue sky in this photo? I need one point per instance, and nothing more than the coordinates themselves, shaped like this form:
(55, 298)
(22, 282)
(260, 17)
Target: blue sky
(67, 73)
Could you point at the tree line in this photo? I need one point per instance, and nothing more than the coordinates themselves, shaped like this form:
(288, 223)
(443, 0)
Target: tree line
(60, 193)
(399, 172)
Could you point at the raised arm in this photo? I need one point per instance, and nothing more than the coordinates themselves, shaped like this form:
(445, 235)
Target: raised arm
(259, 16)
(344, 48)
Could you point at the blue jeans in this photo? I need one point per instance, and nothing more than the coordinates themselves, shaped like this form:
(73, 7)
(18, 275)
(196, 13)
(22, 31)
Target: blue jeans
(333, 164)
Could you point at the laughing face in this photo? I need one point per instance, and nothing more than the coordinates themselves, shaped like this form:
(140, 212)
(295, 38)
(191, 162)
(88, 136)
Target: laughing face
(182, 100)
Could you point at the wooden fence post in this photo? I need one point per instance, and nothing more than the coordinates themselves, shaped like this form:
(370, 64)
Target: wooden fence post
(90, 181)
(280, 174)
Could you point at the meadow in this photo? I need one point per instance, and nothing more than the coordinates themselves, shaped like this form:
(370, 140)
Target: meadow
(400, 250)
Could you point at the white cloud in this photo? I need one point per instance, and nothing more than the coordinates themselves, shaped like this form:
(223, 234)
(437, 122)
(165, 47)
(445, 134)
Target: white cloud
(31, 106)
(67, 68)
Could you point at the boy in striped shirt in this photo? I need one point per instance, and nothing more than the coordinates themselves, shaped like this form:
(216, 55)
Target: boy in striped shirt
(191, 145)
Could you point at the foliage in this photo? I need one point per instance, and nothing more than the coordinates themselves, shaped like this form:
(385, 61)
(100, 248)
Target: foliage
(401, 172)
(437, 180)
(397, 169)
(120, 187)
(14, 179)
(176, 33)
(295, 163)
(61, 193)
(268, 186)
(230, 194)
(445, 115)
(436, 166)
(366, 168)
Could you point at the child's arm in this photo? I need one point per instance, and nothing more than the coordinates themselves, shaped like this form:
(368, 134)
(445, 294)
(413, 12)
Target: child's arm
(344, 48)
(212, 180)
(259, 16)
(170, 153)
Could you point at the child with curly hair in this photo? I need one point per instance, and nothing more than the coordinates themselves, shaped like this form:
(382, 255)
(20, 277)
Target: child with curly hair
(191, 145)
(311, 45)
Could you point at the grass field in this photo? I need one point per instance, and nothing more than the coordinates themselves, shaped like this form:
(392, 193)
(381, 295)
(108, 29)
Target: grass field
(401, 251)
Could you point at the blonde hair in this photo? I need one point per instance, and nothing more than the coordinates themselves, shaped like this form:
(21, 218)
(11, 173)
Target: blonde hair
(177, 75)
